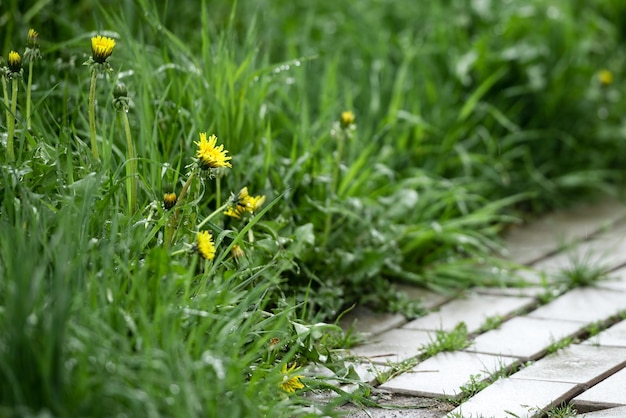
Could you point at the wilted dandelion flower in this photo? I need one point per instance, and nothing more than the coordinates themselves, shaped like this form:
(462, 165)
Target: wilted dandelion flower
(169, 200)
(347, 119)
(101, 48)
(210, 155)
(32, 39)
(14, 62)
(237, 252)
(205, 245)
(245, 203)
(605, 77)
(290, 383)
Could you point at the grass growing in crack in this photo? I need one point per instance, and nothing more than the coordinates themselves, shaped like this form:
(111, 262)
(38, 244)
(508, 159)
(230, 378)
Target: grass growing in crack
(447, 341)
(557, 345)
(581, 273)
(477, 382)
(491, 323)
(562, 411)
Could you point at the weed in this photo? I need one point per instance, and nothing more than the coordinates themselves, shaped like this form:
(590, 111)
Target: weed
(453, 340)
(491, 323)
(562, 411)
(582, 272)
(557, 345)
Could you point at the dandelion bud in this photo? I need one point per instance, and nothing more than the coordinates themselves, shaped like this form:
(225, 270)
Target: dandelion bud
(605, 77)
(347, 119)
(14, 62)
(169, 200)
(120, 97)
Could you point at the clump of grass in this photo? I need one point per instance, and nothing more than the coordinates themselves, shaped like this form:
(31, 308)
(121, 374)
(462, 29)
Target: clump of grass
(456, 339)
(581, 273)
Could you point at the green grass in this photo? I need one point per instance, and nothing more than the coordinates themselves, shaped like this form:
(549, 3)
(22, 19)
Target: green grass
(453, 340)
(107, 311)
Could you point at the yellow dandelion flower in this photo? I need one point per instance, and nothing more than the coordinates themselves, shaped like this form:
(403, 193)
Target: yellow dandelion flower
(169, 200)
(32, 39)
(209, 155)
(347, 118)
(245, 203)
(254, 203)
(15, 62)
(205, 245)
(605, 77)
(290, 383)
(101, 48)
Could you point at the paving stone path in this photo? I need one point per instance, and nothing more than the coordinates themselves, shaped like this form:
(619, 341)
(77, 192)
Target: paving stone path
(535, 375)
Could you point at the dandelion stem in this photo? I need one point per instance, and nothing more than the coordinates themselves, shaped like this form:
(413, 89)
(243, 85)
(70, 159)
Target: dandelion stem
(173, 222)
(11, 121)
(212, 215)
(92, 114)
(5, 92)
(131, 166)
(218, 190)
(29, 87)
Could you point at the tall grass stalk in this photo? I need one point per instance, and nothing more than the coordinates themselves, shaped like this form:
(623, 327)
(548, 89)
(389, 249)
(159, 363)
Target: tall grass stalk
(131, 167)
(29, 87)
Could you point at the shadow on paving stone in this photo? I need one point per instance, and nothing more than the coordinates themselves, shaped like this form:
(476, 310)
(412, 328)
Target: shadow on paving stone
(403, 406)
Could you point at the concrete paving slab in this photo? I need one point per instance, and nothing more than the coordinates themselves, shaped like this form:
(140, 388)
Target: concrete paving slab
(397, 406)
(619, 412)
(524, 337)
(608, 393)
(368, 322)
(368, 371)
(531, 291)
(581, 364)
(528, 243)
(428, 299)
(614, 336)
(444, 373)
(393, 346)
(584, 305)
(473, 310)
(615, 281)
(607, 249)
(523, 398)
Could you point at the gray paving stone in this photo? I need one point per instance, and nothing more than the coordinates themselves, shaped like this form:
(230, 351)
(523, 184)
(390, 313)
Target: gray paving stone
(524, 398)
(393, 346)
(615, 281)
(443, 374)
(368, 371)
(529, 243)
(582, 364)
(614, 336)
(619, 412)
(607, 249)
(524, 337)
(531, 291)
(404, 407)
(608, 393)
(473, 310)
(585, 305)
(428, 299)
(368, 322)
